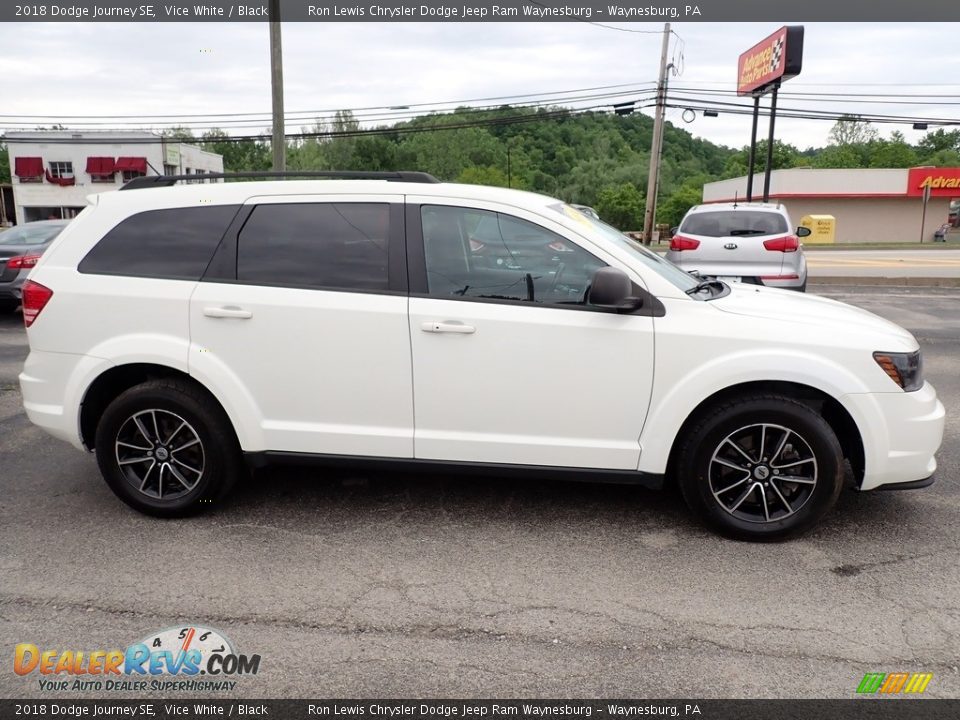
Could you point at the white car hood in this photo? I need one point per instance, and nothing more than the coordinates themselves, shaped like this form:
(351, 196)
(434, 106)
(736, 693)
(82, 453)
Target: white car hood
(797, 307)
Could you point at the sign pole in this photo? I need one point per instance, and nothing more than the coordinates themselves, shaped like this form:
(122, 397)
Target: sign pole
(773, 120)
(923, 215)
(753, 148)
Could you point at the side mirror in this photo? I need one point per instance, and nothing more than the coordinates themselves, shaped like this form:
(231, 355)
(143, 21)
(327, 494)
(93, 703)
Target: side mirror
(673, 230)
(803, 231)
(611, 289)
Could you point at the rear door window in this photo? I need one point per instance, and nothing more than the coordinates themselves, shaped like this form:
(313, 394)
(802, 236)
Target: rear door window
(734, 223)
(334, 246)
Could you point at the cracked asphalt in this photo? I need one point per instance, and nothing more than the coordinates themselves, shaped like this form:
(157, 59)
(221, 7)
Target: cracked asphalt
(410, 586)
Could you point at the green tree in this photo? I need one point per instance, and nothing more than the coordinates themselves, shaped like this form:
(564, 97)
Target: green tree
(851, 130)
(621, 206)
(184, 134)
(937, 141)
(784, 156)
(892, 153)
(838, 156)
(4, 164)
(672, 210)
(238, 155)
(484, 175)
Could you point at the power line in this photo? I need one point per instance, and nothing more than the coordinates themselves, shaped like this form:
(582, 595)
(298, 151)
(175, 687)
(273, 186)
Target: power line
(359, 117)
(310, 113)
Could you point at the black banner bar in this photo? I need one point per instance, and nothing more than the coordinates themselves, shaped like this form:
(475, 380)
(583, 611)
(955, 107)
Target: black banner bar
(873, 708)
(604, 11)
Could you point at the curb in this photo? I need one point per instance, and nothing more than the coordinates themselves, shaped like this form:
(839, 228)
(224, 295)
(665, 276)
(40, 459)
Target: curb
(941, 282)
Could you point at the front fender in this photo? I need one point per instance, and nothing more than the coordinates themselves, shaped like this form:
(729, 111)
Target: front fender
(680, 389)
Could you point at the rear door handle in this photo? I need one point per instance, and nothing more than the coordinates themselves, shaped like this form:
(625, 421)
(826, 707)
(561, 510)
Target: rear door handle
(230, 311)
(448, 327)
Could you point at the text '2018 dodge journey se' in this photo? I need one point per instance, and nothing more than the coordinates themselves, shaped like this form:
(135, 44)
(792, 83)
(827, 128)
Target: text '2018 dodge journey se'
(178, 330)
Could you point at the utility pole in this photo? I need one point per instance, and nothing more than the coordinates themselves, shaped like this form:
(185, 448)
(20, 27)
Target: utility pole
(279, 143)
(656, 145)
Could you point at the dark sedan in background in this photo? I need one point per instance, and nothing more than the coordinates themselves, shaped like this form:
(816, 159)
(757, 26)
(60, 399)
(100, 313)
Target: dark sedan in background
(20, 248)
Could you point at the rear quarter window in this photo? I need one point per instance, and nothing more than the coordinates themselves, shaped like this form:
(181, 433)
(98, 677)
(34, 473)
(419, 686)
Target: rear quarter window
(734, 223)
(174, 244)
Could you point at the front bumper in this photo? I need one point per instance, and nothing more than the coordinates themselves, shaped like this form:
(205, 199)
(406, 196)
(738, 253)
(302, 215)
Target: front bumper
(901, 433)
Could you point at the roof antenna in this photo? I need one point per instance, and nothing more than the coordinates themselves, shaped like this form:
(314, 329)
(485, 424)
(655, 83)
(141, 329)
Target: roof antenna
(736, 197)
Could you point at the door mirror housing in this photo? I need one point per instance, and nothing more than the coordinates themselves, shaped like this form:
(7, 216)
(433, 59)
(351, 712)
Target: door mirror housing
(803, 231)
(611, 289)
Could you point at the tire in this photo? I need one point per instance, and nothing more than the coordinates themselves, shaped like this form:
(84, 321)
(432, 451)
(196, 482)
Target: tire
(748, 495)
(192, 433)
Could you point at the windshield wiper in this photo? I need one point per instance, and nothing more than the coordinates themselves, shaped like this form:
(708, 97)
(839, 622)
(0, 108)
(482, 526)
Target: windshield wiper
(705, 285)
(739, 233)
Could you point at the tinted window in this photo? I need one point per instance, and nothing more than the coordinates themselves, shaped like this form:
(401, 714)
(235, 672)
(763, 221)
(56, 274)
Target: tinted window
(734, 223)
(175, 244)
(483, 254)
(316, 245)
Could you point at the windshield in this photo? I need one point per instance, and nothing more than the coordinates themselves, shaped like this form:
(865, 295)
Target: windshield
(733, 223)
(30, 234)
(664, 268)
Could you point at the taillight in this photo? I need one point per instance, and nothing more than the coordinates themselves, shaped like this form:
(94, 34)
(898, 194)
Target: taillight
(680, 243)
(35, 297)
(784, 244)
(22, 261)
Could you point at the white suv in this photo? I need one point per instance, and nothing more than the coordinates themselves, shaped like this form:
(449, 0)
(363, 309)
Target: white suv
(187, 332)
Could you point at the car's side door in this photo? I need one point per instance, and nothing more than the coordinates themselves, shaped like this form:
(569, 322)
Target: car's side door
(510, 365)
(302, 314)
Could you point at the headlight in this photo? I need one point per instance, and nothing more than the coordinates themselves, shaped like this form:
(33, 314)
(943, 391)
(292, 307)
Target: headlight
(905, 369)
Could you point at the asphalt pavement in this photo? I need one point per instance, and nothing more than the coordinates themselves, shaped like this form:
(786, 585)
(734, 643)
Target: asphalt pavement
(379, 586)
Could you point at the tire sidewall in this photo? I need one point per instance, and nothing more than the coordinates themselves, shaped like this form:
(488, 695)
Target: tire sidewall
(694, 478)
(216, 465)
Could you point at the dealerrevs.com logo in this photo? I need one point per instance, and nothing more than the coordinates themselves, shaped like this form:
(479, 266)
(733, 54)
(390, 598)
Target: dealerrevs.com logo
(191, 658)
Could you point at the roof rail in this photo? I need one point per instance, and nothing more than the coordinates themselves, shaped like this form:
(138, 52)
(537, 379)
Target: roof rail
(153, 181)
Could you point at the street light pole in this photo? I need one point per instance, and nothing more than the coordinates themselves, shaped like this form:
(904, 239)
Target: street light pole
(276, 83)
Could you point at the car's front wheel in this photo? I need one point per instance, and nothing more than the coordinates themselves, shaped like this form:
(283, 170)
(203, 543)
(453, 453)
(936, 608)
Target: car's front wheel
(167, 449)
(762, 467)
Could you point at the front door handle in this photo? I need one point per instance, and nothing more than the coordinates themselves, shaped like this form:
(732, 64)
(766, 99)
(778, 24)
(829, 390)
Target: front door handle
(230, 311)
(448, 327)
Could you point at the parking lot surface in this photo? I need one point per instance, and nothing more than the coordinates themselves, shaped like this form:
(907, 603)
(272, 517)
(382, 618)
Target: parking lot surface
(426, 586)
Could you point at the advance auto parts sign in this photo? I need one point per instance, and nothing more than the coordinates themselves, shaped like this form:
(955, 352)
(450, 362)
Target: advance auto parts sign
(769, 62)
(943, 182)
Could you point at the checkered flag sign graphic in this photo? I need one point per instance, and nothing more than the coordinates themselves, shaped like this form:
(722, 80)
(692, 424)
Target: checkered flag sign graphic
(777, 54)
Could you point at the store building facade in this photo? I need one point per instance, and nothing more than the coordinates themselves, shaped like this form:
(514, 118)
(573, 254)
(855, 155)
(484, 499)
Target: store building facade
(869, 205)
(53, 172)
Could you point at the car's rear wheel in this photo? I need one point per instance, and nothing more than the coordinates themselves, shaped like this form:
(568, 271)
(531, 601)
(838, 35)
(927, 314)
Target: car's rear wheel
(763, 467)
(167, 449)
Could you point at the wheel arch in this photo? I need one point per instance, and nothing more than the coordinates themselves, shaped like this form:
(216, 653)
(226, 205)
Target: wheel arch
(109, 384)
(836, 415)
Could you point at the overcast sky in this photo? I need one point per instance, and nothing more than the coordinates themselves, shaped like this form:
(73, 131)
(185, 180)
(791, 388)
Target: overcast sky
(205, 68)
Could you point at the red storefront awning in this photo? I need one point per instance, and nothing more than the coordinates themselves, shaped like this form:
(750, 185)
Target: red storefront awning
(131, 164)
(101, 166)
(28, 167)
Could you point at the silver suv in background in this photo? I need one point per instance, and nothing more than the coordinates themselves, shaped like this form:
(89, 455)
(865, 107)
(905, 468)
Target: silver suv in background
(742, 242)
(20, 248)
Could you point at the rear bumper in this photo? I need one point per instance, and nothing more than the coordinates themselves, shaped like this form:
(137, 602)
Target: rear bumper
(12, 289)
(786, 275)
(901, 432)
(52, 385)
